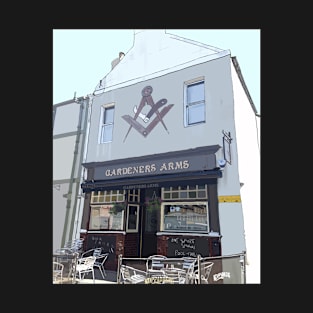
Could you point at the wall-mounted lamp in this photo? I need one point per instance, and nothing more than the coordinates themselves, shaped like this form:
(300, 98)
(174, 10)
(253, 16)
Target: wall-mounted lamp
(221, 163)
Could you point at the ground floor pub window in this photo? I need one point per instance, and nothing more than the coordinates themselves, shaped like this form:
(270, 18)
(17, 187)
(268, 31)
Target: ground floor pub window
(107, 217)
(185, 208)
(184, 216)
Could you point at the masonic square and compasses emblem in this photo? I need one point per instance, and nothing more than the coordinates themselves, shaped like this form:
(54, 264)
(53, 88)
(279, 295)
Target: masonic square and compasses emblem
(154, 109)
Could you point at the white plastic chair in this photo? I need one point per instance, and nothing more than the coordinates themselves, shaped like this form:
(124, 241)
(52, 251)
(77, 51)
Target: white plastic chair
(99, 263)
(57, 272)
(154, 263)
(175, 275)
(187, 276)
(100, 258)
(85, 266)
(95, 252)
(74, 245)
(131, 275)
(205, 270)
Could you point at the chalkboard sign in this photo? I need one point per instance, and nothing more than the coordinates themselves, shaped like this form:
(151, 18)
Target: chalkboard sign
(179, 247)
(107, 243)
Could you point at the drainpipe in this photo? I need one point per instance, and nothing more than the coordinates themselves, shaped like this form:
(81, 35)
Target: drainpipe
(83, 171)
(68, 228)
(243, 262)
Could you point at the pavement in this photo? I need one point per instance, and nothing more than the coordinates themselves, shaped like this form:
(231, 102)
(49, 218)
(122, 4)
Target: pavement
(109, 278)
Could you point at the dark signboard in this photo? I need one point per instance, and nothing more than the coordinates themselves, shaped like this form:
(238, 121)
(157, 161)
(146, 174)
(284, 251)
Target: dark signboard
(198, 159)
(107, 243)
(187, 246)
(153, 171)
(165, 166)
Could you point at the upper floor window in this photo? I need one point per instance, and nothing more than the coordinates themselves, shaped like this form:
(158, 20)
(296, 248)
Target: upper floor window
(194, 103)
(106, 123)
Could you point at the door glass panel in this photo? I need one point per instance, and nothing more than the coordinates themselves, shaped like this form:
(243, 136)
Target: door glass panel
(152, 214)
(132, 218)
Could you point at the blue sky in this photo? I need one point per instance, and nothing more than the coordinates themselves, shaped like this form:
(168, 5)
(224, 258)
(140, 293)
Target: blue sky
(81, 57)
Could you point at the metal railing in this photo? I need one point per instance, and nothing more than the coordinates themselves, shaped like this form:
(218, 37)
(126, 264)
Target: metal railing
(229, 269)
(69, 261)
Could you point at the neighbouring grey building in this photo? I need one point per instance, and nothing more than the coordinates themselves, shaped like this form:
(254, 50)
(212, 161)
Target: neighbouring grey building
(69, 134)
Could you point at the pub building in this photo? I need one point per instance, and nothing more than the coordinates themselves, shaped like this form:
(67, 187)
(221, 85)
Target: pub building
(161, 172)
(137, 205)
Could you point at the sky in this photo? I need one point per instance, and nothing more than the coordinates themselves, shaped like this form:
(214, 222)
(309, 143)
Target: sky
(82, 57)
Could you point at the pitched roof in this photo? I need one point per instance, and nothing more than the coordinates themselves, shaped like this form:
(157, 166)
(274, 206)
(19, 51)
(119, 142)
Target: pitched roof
(154, 53)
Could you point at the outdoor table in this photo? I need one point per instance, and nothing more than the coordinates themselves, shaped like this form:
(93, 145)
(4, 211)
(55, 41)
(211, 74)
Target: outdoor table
(69, 261)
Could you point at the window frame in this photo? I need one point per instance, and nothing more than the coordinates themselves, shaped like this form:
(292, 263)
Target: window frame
(133, 195)
(168, 193)
(128, 229)
(188, 106)
(109, 196)
(180, 195)
(102, 123)
(182, 217)
(110, 218)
